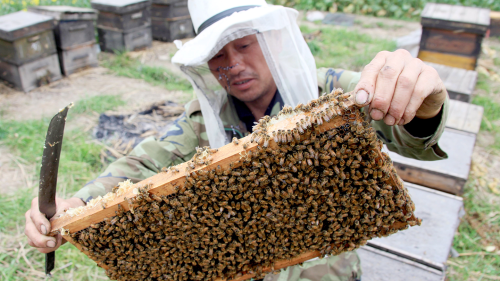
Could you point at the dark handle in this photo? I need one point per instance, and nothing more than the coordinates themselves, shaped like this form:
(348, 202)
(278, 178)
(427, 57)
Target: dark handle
(50, 259)
(78, 27)
(80, 57)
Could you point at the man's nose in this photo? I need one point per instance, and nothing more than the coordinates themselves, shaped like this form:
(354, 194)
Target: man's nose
(236, 64)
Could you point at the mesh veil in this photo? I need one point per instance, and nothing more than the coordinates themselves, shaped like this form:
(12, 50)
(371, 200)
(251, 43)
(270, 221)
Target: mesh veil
(287, 55)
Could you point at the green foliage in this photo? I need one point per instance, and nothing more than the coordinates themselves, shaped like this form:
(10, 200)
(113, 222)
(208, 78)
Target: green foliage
(408, 9)
(343, 48)
(11, 6)
(123, 65)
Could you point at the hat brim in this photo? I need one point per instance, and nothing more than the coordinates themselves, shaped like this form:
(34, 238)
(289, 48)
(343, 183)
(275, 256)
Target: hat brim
(240, 24)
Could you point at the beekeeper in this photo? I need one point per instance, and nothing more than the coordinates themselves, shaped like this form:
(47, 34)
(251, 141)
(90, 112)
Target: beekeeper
(248, 60)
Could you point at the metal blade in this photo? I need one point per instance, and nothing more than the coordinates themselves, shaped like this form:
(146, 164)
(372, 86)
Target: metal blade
(48, 173)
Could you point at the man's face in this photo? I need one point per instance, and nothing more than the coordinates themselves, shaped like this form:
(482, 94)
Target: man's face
(243, 70)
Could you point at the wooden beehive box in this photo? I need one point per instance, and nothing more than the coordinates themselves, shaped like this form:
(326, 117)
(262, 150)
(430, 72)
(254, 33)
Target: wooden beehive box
(495, 23)
(27, 50)
(431, 242)
(460, 83)
(452, 35)
(75, 36)
(458, 139)
(171, 20)
(310, 182)
(123, 24)
(25, 37)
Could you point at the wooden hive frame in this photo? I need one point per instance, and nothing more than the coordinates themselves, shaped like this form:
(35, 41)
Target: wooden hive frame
(233, 155)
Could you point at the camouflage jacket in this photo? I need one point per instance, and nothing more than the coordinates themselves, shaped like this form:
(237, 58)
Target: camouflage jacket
(188, 132)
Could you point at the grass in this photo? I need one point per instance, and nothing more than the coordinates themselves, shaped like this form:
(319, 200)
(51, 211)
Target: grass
(343, 48)
(80, 162)
(122, 65)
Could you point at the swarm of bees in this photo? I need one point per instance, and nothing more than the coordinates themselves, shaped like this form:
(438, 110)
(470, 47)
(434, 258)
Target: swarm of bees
(299, 190)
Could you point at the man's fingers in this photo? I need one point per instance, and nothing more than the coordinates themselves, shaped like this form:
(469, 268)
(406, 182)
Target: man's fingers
(41, 223)
(423, 87)
(366, 86)
(403, 92)
(38, 240)
(386, 84)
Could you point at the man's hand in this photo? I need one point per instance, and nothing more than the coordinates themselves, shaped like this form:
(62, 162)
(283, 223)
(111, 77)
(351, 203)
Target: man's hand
(399, 87)
(38, 227)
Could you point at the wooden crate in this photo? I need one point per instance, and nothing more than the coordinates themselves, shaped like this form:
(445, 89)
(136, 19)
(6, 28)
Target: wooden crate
(26, 37)
(78, 58)
(112, 41)
(32, 74)
(380, 265)
(74, 26)
(459, 82)
(168, 11)
(172, 29)
(447, 175)
(431, 242)
(495, 23)
(452, 35)
(123, 15)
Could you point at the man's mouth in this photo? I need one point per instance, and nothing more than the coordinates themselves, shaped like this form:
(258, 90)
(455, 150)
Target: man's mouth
(241, 82)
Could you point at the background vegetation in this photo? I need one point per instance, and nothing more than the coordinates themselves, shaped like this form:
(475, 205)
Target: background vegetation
(401, 9)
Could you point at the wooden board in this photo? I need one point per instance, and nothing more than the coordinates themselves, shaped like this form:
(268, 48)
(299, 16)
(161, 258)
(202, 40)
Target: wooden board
(454, 17)
(465, 62)
(125, 22)
(378, 265)
(440, 213)
(71, 34)
(460, 83)
(447, 175)
(464, 116)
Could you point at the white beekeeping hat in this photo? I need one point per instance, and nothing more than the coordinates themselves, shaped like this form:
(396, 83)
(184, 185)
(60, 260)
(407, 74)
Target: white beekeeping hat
(218, 22)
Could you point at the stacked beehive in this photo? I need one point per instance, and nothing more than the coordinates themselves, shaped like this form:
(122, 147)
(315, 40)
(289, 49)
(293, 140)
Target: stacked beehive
(75, 35)
(123, 25)
(452, 35)
(28, 56)
(171, 20)
(310, 182)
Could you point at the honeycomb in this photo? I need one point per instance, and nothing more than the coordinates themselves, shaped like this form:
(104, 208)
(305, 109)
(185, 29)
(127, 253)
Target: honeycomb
(310, 181)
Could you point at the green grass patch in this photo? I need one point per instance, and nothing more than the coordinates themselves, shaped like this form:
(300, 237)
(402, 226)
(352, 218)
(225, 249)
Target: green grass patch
(123, 65)
(343, 48)
(11, 6)
(97, 104)
(469, 240)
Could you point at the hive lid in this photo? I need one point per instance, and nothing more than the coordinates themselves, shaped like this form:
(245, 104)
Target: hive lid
(22, 24)
(65, 12)
(120, 6)
(453, 17)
